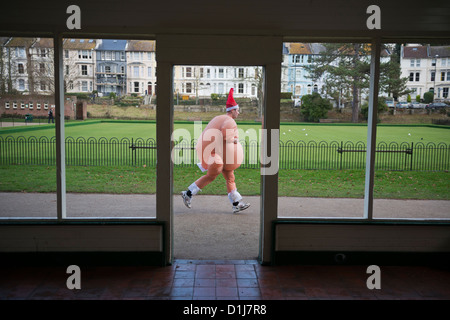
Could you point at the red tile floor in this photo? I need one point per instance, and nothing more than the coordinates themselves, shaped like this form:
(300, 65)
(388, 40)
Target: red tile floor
(225, 280)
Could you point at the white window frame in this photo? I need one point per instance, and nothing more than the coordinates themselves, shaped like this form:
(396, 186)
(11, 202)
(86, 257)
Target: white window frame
(84, 70)
(84, 86)
(21, 84)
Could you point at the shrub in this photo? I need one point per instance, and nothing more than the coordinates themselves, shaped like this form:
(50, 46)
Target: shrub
(382, 107)
(428, 97)
(314, 107)
(216, 96)
(286, 95)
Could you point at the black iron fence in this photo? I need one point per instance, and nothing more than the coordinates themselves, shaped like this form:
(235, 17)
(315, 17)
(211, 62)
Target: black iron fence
(292, 155)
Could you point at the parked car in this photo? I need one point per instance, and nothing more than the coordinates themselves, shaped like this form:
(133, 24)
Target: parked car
(436, 105)
(403, 105)
(417, 105)
(390, 103)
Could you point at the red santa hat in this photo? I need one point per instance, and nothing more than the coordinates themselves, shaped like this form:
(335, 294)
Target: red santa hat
(231, 104)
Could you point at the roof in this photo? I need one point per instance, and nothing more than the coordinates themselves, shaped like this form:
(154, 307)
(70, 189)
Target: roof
(317, 48)
(415, 52)
(3, 40)
(43, 43)
(113, 45)
(79, 44)
(441, 51)
(141, 45)
(299, 48)
(20, 42)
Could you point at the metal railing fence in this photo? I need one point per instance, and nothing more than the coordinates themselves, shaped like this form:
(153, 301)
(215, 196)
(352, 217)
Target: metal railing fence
(292, 155)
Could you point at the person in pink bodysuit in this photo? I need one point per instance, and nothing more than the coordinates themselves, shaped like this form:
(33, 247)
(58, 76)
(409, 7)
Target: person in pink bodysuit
(219, 151)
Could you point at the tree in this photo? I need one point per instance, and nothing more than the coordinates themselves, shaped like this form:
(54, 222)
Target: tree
(258, 82)
(314, 107)
(346, 68)
(390, 80)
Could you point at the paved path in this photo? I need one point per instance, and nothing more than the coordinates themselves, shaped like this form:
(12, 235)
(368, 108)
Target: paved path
(209, 230)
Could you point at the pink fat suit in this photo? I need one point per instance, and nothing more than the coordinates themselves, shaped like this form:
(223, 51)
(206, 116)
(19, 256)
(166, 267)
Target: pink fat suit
(219, 150)
(219, 156)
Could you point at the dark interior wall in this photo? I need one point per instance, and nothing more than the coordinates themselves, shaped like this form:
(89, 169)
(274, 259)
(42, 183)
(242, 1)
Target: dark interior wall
(289, 18)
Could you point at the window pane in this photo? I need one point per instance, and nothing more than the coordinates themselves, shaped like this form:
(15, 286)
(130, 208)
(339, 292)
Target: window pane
(412, 158)
(27, 140)
(323, 134)
(110, 164)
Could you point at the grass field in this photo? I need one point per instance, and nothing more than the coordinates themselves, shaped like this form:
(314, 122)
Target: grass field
(300, 183)
(314, 183)
(295, 132)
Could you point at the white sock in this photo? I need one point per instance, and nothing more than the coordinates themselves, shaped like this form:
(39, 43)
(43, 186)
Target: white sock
(234, 196)
(194, 189)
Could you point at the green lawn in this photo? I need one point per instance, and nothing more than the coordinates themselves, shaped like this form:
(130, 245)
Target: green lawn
(300, 183)
(294, 132)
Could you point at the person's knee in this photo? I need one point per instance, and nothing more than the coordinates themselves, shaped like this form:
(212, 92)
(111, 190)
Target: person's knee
(215, 170)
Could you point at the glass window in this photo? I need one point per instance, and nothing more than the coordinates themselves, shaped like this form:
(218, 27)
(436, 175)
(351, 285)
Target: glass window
(21, 84)
(28, 158)
(111, 162)
(188, 72)
(411, 159)
(322, 146)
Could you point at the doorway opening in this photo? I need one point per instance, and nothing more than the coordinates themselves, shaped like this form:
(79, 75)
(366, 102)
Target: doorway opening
(209, 230)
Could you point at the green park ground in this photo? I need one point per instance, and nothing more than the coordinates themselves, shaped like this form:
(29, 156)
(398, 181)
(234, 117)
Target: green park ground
(346, 183)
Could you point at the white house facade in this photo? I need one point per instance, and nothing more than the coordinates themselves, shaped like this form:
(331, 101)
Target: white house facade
(202, 81)
(427, 69)
(79, 65)
(141, 67)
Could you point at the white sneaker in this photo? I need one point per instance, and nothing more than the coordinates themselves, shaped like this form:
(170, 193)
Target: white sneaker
(241, 206)
(186, 199)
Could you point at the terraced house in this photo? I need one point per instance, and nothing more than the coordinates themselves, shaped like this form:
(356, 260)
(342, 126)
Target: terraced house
(111, 64)
(427, 68)
(294, 77)
(141, 67)
(27, 65)
(79, 65)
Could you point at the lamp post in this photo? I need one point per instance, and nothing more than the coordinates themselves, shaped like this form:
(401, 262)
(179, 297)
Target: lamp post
(435, 75)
